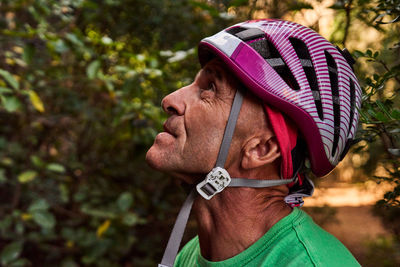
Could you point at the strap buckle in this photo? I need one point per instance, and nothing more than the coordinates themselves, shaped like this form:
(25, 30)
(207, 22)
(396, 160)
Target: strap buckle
(216, 181)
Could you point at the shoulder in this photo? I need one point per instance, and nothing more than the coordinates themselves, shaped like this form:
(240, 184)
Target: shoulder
(322, 248)
(294, 241)
(297, 241)
(189, 253)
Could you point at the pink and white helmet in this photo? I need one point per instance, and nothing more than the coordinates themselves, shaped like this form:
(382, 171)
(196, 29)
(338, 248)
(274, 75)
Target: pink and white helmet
(297, 71)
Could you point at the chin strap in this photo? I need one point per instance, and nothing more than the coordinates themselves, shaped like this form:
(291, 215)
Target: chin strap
(216, 181)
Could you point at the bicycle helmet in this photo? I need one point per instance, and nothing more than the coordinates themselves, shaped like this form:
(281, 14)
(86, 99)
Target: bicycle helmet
(297, 71)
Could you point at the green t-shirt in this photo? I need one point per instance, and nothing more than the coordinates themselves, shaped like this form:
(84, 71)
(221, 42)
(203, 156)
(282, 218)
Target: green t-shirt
(294, 241)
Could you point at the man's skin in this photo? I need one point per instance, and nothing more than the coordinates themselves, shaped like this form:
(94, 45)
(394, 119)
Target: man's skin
(237, 217)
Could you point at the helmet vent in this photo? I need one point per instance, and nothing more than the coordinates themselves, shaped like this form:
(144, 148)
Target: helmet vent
(269, 52)
(261, 46)
(333, 77)
(352, 105)
(256, 39)
(235, 30)
(308, 67)
(250, 34)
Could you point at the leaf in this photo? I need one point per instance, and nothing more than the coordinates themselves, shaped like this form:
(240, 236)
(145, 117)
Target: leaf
(19, 228)
(69, 263)
(37, 161)
(10, 253)
(106, 40)
(55, 167)
(26, 216)
(39, 205)
(3, 178)
(5, 90)
(64, 193)
(103, 228)
(60, 46)
(383, 108)
(125, 201)
(20, 263)
(7, 161)
(27, 176)
(36, 101)
(358, 54)
(9, 79)
(44, 218)
(130, 219)
(381, 117)
(364, 117)
(11, 103)
(296, 6)
(238, 3)
(109, 85)
(397, 19)
(74, 39)
(395, 114)
(204, 6)
(97, 212)
(29, 53)
(93, 69)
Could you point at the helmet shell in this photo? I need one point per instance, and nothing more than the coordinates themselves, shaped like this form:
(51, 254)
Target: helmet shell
(327, 118)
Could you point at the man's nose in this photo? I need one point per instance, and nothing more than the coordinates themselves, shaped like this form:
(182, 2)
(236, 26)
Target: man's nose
(175, 103)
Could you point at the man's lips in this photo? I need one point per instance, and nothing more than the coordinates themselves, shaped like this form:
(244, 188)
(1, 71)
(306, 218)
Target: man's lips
(167, 128)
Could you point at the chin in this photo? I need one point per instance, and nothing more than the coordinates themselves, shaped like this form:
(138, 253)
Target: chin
(160, 159)
(152, 159)
(157, 160)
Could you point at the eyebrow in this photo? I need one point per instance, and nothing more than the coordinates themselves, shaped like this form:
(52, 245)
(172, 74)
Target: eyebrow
(213, 71)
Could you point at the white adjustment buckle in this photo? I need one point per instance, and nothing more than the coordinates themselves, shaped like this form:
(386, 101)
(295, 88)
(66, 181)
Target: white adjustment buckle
(217, 179)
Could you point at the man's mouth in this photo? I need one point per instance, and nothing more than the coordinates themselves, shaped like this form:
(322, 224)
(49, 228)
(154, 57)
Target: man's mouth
(167, 129)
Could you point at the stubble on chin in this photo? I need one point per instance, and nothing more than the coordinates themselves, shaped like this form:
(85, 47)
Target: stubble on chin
(155, 159)
(165, 161)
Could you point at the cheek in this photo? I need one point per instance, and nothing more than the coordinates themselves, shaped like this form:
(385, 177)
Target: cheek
(204, 138)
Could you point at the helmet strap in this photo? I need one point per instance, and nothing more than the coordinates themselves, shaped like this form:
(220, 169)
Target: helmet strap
(180, 224)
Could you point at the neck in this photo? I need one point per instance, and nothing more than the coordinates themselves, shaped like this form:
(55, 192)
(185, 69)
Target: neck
(236, 218)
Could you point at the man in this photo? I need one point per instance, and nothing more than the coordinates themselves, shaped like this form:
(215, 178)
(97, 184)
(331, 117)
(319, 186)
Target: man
(273, 99)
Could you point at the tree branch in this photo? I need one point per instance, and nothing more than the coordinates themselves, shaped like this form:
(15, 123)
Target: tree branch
(388, 70)
(348, 21)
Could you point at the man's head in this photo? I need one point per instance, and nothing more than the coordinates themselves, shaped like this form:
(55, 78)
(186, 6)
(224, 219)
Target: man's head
(288, 67)
(193, 132)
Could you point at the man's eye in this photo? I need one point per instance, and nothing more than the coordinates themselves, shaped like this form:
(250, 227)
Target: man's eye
(211, 86)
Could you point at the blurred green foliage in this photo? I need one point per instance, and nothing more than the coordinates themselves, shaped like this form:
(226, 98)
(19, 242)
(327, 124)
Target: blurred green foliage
(380, 112)
(382, 252)
(379, 74)
(80, 88)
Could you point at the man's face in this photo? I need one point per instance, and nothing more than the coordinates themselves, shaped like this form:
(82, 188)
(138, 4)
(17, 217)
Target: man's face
(198, 114)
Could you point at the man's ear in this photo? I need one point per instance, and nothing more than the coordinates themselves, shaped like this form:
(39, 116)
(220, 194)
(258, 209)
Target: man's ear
(259, 151)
